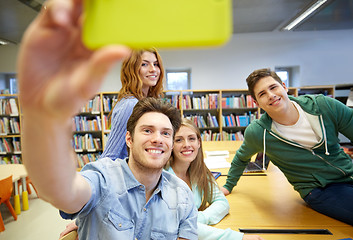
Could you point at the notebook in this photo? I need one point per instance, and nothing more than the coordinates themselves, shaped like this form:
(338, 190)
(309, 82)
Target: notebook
(259, 165)
(216, 174)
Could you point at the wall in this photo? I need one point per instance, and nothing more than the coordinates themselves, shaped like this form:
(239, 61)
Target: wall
(8, 56)
(323, 57)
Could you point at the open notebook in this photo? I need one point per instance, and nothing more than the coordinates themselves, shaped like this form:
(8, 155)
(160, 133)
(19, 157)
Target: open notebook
(259, 165)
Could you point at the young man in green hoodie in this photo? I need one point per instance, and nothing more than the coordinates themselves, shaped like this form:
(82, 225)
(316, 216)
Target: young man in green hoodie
(299, 135)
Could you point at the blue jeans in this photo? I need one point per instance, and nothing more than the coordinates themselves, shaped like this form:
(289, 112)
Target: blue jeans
(335, 200)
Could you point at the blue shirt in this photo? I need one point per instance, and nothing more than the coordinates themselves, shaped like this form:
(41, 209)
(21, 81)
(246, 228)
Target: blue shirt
(118, 209)
(116, 145)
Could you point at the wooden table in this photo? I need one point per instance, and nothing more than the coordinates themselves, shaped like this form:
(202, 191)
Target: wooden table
(18, 172)
(270, 202)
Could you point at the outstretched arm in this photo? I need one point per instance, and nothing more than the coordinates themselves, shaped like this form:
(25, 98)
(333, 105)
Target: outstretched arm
(57, 75)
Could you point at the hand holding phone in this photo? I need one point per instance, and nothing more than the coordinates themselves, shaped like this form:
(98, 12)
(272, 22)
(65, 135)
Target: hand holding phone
(157, 23)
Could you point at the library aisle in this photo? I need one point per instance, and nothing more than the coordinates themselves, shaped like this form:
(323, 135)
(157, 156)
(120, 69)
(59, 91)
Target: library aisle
(41, 222)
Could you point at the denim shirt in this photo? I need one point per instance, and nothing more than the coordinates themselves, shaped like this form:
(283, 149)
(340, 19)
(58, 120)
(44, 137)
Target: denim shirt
(118, 209)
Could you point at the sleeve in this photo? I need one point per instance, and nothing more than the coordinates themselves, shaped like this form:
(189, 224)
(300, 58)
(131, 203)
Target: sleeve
(116, 145)
(95, 175)
(209, 233)
(251, 145)
(216, 211)
(344, 116)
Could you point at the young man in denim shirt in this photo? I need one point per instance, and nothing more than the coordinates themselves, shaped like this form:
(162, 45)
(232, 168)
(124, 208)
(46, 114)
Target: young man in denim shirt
(130, 198)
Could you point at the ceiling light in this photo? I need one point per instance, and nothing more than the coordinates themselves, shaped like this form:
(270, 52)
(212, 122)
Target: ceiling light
(304, 15)
(3, 42)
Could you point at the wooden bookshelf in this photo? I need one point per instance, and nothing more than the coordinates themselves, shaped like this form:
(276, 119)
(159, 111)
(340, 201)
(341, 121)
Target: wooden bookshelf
(327, 90)
(10, 129)
(208, 108)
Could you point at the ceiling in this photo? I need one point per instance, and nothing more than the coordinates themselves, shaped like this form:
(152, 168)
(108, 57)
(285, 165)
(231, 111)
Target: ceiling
(249, 16)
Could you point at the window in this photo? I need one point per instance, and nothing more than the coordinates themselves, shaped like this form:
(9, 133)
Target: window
(284, 75)
(8, 83)
(178, 79)
(289, 75)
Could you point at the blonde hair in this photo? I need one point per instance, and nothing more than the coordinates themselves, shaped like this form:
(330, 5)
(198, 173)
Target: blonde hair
(199, 174)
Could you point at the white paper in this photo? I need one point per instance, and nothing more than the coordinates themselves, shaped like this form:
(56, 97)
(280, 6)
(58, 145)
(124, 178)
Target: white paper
(216, 162)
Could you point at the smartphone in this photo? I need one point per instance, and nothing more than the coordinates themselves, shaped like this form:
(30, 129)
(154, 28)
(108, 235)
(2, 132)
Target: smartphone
(157, 23)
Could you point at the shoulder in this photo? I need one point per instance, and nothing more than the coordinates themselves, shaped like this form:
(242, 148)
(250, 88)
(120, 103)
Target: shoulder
(175, 188)
(255, 129)
(127, 102)
(103, 166)
(317, 104)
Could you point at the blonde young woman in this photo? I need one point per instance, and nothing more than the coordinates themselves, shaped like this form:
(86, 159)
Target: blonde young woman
(141, 76)
(188, 164)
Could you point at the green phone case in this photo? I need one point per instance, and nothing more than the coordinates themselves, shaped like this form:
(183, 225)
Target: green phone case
(157, 23)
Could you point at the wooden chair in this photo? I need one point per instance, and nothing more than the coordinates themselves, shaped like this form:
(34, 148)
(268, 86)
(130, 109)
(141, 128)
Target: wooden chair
(6, 187)
(70, 236)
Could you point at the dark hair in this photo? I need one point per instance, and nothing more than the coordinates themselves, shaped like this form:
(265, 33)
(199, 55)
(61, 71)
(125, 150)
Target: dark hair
(256, 75)
(150, 104)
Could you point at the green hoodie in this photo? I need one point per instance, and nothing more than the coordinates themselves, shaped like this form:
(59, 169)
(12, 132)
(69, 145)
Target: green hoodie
(305, 168)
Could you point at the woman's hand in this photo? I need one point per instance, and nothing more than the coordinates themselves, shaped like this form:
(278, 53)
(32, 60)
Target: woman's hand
(252, 237)
(69, 228)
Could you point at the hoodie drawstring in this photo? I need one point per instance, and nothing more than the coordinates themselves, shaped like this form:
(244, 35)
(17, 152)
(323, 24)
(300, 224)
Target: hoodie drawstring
(264, 152)
(325, 140)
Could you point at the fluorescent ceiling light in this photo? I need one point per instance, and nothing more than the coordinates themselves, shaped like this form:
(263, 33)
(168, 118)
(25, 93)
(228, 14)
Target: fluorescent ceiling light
(3, 42)
(304, 15)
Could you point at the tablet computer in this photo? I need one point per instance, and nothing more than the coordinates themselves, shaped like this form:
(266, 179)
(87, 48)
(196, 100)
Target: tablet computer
(157, 23)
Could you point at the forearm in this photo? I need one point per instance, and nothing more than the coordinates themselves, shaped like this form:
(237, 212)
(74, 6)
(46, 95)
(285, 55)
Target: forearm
(217, 209)
(48, 158)
(233, 175)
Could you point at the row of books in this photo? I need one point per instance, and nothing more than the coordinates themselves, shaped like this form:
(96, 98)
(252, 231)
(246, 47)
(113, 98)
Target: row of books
(173, 100)
(9, 126)
(209, 101)
(84, 123)
(243, 101)
(92, 106)
(14, 159)
(10, 145)
(109, 102)
(208, 135)
(8, 106)
(238, 120)
(237, 136)
(83, 159)
(106, 125)
(86, 142)
(211, 120)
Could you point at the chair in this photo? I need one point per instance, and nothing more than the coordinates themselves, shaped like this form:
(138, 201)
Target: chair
(28, 181)
(70, 236)
(6, 187)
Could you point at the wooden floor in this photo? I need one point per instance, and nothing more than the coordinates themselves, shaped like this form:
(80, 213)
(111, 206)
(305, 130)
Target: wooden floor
(269, 202)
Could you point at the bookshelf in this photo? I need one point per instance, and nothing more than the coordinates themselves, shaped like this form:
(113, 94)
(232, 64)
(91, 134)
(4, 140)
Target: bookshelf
(327, 90)
(342, 91)
(87, 131)
(10, 129)
(214, 111)
(109, 99)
